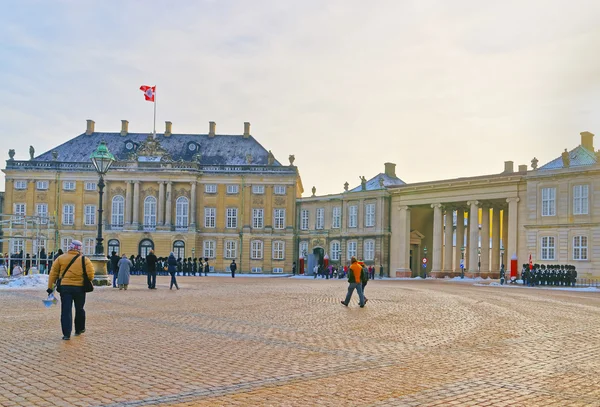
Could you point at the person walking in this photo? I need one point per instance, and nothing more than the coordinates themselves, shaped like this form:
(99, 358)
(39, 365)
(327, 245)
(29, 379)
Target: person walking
(172, 268)
(151, 266)
(364, 279)
(233, 268)
(114, 265)
(206, 266)
(70, 270)
(354, 283)
(125, 265)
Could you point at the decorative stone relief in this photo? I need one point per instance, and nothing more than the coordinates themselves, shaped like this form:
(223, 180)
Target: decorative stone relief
(117, 191)
(257, 200)
(279, 200)
(182, 192)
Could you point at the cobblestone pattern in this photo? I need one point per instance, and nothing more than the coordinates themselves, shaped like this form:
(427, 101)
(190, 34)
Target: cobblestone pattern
(289, 342)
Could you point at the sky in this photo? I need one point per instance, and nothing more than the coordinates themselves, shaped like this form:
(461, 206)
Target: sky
(444, 89)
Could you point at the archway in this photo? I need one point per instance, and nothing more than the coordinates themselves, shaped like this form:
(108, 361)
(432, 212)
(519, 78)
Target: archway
(145, 246)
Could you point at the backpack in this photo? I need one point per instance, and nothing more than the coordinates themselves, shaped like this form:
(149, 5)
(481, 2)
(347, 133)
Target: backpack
(364, 275)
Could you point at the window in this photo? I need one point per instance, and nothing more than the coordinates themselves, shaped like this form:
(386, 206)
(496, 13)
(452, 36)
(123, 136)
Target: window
(210, 215)
(209, 249)
(41, 210)
(580, 200)
(90, 186)
(256, 270)
(320, 218)
(303, 249)
(230, 249)
(69, 185)
(351, 246)
(150, 213)
(370, 215)
(41, 185)
(68, 214)
(304, 219)
(337, 218)
(19, 213)
(369, 250)
(278, 250)
(548, 201)
(352, 216)
(580, 248)
(210, 188)
(279, 189)
(548, 248)
(258, 216)
(17, 245)
(335, 250)
(181, 213)
(179, 249)
(20, 184)
(117, 213)
(256, 249)
(258, 189)
(145, 246)
(114, 246)
(90, 215)
(279, 219)
(65, 242)
(233, 189)
(89, 246)
(231, 218)
(38, 245)
(278, 270)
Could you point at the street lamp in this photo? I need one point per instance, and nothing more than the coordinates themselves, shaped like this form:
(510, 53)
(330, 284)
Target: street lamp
(102, 160)
(502, 257)
(462, 261)
(425, 264)
(479, 259)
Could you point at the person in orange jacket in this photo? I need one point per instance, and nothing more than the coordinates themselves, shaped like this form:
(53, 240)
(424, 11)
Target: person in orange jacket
(354, 283)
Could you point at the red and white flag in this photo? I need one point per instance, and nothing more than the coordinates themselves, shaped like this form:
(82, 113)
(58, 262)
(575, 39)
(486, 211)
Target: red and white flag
(148, 92)
(530, 262)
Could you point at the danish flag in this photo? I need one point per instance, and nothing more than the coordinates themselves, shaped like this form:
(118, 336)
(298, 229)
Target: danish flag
(148, 92)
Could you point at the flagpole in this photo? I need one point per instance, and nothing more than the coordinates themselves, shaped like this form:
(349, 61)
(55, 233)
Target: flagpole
(154, 132)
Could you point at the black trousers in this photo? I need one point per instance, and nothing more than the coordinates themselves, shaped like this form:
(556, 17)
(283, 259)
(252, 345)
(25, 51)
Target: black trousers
(69, 295)
(151, 279)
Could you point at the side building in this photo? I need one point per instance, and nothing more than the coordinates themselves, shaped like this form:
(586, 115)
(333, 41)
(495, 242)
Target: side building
(222, 197)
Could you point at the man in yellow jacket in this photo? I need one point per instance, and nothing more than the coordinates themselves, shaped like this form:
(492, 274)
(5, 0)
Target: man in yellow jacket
(69, 268)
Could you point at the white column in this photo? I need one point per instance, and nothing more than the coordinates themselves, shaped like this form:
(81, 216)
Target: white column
(128, 199)
(512, 230)
(460, 237)
(193, 206)
(473, 235)
(485, 239)
(448, 233)
(436, 258)
(161, 203)
(495, 267)
(400, 241)
(136, 203)
(168, 204)
(506, 258)
(467, 242)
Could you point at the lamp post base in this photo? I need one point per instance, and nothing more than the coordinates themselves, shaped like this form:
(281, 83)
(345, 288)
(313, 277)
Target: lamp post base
(101, 276)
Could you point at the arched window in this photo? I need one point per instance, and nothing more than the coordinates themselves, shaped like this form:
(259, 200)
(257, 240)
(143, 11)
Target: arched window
(117, 214)
(179, 249)
(150, 213)
(114, 246)
(335, 250)
(145, 246)
(181, 213)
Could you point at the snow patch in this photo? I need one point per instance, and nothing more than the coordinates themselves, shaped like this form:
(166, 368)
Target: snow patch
(24, 282)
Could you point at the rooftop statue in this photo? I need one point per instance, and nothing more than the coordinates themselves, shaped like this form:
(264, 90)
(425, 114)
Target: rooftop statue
(31, 152)
(270, 158)
(292, 159)
(565, 158)
(11, 154)
(363, 183)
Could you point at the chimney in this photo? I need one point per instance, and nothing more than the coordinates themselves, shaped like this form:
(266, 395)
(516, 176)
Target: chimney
(124, 127)
(90, 127)
(211, 129)
(523, 168)
(168, 127)
(246, 129)
(390, 169)
(508, 167)
(587, 141)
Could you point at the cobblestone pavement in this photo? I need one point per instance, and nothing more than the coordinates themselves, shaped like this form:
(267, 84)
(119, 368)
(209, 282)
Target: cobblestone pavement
(289, 342)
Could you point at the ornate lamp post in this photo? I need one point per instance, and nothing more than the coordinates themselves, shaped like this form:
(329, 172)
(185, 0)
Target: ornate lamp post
(102, 160)
(425, 264)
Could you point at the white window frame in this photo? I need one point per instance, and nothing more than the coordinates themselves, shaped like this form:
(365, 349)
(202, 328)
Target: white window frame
(302, 249)
(369, 250)
(69, 185)
(91, 186)
(179, 249)
(111, 246)
(38, 245)
(233, 189)
(548, 248)
(68, 214)
(581, 199)
(549, 201)
(277, 270)
(278, 250)
(150, 204)
(20, 184)
(258, 189)
(351, 249)
(256, 249)
(304, 219)
(231, 249)
(353, 216)
(320, 218)
(89, 246)
(210, 188)
(41, 185)
(117, 212)
(258, 218)
(279, 218)
(209, 248)
(89, 215)
(17, 245)
(210, 217)
(232, 218)
(19, 211)
(369, 215)
(580, 247)
(279, 189)
(336, 217)
(65, 242)
(41, 210)
(182, 211)
(256, 270)
(335, 248)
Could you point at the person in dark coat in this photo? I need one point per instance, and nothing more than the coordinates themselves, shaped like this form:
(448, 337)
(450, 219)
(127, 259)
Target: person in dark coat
(206, 266)
(27, 264)
(195, 266)
(114, 265)
(294, 269)
(233, 268)
(151, 267)
(43, 263)
(172, 268)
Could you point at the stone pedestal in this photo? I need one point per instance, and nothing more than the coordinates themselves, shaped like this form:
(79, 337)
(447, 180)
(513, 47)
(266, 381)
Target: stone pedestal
(101, 276)
(404, 273)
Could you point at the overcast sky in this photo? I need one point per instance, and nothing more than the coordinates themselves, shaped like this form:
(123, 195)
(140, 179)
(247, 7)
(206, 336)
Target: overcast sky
(443, 89)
